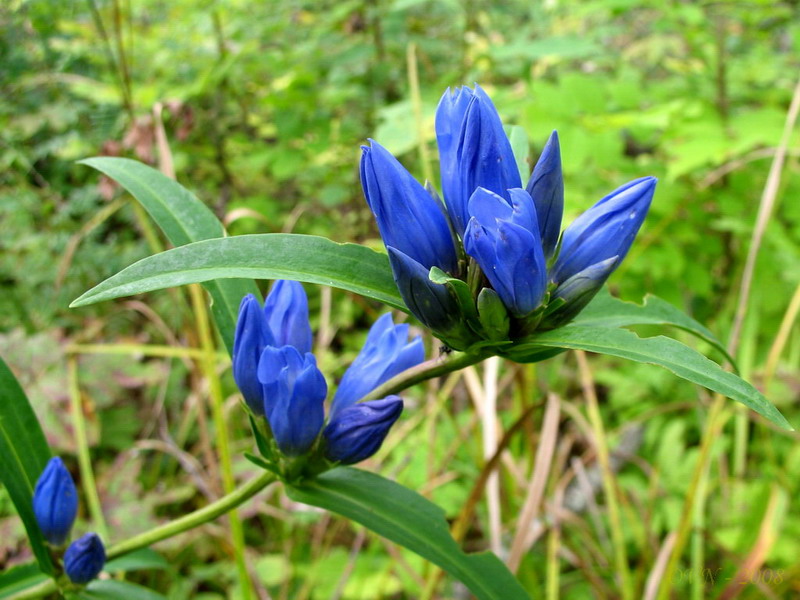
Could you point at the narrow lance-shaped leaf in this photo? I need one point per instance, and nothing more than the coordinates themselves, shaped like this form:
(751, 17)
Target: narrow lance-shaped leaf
(406, 518)
(183, 219)
(665, 352)
(23, 456)
(307, 258)
(607, 311)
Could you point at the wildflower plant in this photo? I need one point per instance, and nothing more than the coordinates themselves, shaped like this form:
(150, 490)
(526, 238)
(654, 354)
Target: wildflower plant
(483, 262)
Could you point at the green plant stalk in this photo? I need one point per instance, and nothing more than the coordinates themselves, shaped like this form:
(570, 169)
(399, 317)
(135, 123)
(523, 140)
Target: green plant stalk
(698, 545)
(716, 420)
(416, 102)
(442, 365)
(553, 542)
(615, 523)
(82, 443)
(168, 530)
(221, 431)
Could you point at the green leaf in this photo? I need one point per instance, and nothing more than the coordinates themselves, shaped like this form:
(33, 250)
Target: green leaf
(138, 560)
(183, 219)
(111, 589)
(23, 456)
(20, 578)
(665, 352)
(306, 258)
(406, 518)
(607, 311)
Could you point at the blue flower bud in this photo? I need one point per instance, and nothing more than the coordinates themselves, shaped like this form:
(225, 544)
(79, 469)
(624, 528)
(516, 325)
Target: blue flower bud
(282, 322)
(605, 230)
(408, 218)
(357, 431)
(286, 310)
(483, 154)
(546, 187)
(55, 502)
(251, 337)
(430, 302)
(505, 242)
(294, 391)
(386, 353)
(578, 290)
(84, 559)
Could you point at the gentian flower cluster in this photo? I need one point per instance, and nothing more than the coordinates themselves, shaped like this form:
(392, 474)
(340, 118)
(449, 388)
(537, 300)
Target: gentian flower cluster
(490, 264)
(279, 379)
(55, 506)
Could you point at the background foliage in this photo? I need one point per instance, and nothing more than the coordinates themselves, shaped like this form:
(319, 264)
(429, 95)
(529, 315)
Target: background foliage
(263, 106)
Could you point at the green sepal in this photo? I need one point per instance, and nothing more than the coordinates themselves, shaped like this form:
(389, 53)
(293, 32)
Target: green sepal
(263, 444)
(260, 462)
(493, 315)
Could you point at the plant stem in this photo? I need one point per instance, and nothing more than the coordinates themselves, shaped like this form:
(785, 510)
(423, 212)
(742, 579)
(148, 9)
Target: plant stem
(168, 530)
(208, 365)
(435, 367)
(82, 444)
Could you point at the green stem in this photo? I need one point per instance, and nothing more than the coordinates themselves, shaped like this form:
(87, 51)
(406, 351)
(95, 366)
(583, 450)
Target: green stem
(82, 444)
(168, 530)
(435, 367)
(221, 429)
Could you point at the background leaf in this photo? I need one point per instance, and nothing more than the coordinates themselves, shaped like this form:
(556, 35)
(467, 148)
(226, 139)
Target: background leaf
(665, 352)
(183, 219)
(111, 589)
(606, 311)
(23, 456)
(20, 578)
(305, 258)
(403, 516)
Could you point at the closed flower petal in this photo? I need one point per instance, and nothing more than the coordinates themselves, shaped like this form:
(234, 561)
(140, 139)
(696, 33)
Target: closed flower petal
(408, 217)
(484, 158)
(252, 335)
(84, 559)
(55, 502)
(449, 122)
(357, 432)
(430, 302)
(546, 187)
(605, 230)
(578, 290)
(286, 312)
(294, 391)
(386, 353)
(505, 242)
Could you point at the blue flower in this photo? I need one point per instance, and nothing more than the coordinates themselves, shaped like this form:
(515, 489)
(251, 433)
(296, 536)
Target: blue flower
(357, 431)
(294, 391)
(55, 502)
(430, 302)
(386, 353)
(409, 218)
(480, 155)
(504, 240)
(84, 559)
(282, 321)
(546, 187)
(604, 231)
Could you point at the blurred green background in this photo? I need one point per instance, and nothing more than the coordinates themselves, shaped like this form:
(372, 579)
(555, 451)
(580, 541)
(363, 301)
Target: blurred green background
(264, 106)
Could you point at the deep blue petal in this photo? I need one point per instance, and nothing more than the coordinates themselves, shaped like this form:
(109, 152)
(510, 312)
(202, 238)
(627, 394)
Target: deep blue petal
(381, 358)
(605, 230)
(408, 217)
(449, 121)
(546, 187)
(430, 302)
(84, 559)
(295, 391)
(286, 312)
(55, 502)
(484, 158)
(358, 431)
(252, 335)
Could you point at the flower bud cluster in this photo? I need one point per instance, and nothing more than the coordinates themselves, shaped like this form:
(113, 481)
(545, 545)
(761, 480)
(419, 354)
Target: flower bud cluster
(55, 506)
(280, 381)
(490, 264)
